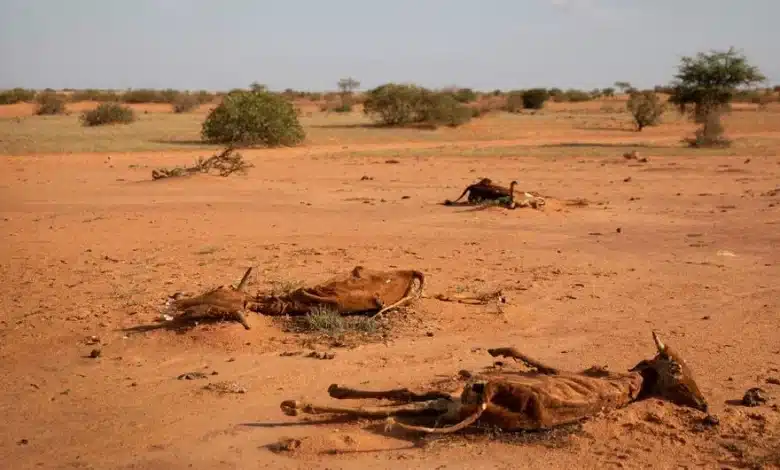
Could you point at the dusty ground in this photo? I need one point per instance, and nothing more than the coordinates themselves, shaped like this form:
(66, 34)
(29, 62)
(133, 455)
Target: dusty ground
(93, 248)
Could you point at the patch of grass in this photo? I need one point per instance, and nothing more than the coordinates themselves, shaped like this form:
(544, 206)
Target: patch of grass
(281, 288)
(325, 321)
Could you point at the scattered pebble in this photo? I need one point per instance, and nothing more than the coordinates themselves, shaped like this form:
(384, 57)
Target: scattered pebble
(95, 353)
(192, 376)
(321, 355)
(225, 387)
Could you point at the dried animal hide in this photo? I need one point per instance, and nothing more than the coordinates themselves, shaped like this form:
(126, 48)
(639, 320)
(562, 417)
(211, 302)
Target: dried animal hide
(362, 290)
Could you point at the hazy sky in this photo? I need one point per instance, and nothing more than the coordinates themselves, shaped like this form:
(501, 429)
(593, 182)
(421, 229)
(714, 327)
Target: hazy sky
(309, 45)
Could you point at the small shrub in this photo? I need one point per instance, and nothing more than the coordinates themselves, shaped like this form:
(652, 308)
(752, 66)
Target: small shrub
(399, 105)
(442, 109)
(204, 97)
(646, 108)
(185, 103)
(577, 96)
(16, 95)
(465, 95)
(100, 96)
(535, 98)
(49, 104)
(143, 95)
(253, 117)
(108, 113)
(514, 101)
(393, 104)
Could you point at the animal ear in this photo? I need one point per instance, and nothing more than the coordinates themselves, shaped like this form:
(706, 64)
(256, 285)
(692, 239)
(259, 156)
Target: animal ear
(643, 365)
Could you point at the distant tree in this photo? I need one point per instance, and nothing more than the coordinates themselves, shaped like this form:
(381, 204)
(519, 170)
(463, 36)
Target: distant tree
(708, 82)
(622, 86)
(257, 86)
(535, 98)
(347, 87)
(608, 92)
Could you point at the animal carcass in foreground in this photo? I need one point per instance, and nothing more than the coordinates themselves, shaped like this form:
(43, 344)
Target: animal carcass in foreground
(540, 399)
(484, 191)
(362, 290)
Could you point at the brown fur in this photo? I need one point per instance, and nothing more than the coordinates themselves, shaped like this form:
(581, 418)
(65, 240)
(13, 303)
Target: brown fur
(540, 399)
(362, 290)
(485, 190)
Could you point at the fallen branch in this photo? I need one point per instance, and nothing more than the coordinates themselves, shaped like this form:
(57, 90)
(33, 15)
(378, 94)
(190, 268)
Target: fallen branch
(224, 163)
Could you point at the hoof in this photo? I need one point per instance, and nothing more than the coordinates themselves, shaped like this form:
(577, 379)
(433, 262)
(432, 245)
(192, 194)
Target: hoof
(290, 407)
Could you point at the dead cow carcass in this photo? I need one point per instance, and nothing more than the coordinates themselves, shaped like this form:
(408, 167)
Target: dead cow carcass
(535, 400)
(362, 290)
(485, 191)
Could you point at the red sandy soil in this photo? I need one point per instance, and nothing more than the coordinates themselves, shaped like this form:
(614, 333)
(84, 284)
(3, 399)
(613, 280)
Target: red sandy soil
(92, 246)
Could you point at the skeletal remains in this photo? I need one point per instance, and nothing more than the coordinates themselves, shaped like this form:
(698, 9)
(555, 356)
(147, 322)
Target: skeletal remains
(534, 400)
(362, 290)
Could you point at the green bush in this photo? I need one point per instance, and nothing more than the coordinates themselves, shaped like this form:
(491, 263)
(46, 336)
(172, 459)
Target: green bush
(465, 95)
(535, 98)
(247, 118)
(442, 109)
(16, 95)
(646, 108)
(108, 113)
(394, 104)
(50, 103)
(185, 102)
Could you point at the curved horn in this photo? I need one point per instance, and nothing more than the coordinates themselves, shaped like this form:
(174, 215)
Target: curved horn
(659, 344)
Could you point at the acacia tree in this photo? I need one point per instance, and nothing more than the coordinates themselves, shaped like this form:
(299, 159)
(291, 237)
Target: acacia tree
(623, 86)
(708, 82)
(347, 86)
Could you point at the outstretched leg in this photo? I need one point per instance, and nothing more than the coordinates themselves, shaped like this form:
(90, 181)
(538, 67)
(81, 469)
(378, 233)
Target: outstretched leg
(518, 356)
(399, 394)
(431, 408)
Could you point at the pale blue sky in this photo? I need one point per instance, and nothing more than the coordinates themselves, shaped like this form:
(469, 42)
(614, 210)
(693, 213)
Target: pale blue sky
(309, 45)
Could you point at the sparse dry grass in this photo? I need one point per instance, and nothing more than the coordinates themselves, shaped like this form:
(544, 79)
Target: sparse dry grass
(576, 128)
